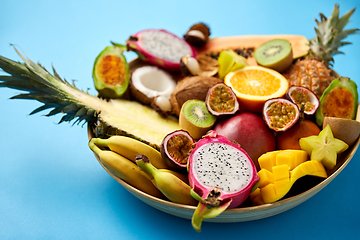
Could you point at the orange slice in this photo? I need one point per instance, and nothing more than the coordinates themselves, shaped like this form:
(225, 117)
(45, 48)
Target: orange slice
(253, 85)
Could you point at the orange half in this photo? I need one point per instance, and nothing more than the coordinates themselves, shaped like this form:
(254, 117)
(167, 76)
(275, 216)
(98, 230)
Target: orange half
(253, 85)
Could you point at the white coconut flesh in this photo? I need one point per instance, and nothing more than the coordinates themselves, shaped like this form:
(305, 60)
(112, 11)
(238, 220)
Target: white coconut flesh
(164, 45)
(223, 166)
(196, 33)
(153, 82)
(163, 103)
(193, 65)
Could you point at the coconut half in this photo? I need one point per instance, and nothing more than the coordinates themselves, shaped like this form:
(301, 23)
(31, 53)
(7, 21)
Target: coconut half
(148, 82)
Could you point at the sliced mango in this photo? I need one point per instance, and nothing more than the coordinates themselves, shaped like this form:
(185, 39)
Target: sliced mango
(279, 171)
(268, 193)
(313, 168)
(256, 197)
(292, 158)
(265, 177)
(268, 160)
(282, 187)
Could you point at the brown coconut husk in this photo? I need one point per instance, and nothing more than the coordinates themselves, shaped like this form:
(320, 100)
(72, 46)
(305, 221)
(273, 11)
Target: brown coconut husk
(195, 87)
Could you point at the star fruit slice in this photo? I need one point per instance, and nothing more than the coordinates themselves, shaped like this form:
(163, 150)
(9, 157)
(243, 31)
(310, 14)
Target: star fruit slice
(324, 147)
(230, 61)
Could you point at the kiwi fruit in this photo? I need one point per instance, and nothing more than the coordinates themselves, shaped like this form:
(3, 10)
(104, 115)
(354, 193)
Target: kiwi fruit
(276, 54)
(195, 118)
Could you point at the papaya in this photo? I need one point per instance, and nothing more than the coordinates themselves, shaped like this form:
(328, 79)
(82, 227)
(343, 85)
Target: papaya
(300, 44)
(111, 72)
(340, 99)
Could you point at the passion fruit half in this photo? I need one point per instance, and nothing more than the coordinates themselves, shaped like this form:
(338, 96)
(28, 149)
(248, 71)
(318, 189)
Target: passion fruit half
(221, 100)
(280, 114)
(175, 149)
(303, 95)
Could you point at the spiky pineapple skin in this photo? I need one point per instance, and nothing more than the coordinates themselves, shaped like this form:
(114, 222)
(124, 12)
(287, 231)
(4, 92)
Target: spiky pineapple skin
(314, 71)
(310, 73)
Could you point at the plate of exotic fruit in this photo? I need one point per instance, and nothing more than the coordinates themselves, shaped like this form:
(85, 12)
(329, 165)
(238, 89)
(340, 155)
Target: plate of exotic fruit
(224, 129)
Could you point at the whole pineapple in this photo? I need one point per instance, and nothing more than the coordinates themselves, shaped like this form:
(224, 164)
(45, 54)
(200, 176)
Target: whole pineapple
(314, 71)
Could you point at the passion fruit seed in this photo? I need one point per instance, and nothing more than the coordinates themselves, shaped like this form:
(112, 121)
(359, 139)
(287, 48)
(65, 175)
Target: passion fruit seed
(222, 101)
(280, 114)
(300, 98)
(179, 148)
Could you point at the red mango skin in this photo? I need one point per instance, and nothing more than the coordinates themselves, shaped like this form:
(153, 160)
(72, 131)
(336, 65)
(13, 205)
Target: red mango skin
(250, 131)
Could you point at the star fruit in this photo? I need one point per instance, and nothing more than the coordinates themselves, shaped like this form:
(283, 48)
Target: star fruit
(324, 147)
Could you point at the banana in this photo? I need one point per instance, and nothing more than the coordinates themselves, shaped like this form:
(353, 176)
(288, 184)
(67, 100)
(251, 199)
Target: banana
(129, 148)
(125, 169)
(169, 184)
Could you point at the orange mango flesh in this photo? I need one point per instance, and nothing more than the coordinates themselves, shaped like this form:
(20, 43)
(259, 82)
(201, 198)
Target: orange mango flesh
(279, 171)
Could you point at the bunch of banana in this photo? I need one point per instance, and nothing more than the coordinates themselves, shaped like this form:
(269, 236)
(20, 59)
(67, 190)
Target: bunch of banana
(119, 153)
(170, 185)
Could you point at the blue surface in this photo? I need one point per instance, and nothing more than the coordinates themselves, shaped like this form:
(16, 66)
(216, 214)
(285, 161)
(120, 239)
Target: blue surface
(51, 186)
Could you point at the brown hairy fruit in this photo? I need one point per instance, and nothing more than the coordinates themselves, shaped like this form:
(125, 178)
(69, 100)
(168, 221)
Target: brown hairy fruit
(195, 87)
(198, 35)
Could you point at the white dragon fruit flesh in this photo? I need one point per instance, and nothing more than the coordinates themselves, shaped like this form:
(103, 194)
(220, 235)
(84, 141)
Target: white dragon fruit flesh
(160, 47)
(221, 175)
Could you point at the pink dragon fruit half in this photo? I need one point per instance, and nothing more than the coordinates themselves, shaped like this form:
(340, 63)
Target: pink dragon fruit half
(221, 175)
(160, 47)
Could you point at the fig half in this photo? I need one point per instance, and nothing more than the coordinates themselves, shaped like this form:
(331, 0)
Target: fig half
(303, 95)
(280, 114)
(175, 149)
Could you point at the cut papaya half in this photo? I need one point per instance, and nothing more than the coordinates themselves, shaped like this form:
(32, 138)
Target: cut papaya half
(299, 43)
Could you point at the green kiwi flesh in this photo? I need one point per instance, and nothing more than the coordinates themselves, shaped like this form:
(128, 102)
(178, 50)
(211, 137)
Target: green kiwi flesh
(195, 118)
(276, 54)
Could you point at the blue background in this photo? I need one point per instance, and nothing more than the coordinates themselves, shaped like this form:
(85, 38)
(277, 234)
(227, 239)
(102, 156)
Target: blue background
(52, 187)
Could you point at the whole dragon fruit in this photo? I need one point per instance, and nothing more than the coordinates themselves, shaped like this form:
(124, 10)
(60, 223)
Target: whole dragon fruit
(160, 47)
(221, 175)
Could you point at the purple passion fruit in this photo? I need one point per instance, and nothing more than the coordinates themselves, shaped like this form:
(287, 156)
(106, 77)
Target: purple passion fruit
(280, 114)
(302, 95)
(175, 149)
(221, 100)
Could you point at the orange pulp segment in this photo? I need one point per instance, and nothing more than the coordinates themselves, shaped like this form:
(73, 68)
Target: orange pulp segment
(253, 85)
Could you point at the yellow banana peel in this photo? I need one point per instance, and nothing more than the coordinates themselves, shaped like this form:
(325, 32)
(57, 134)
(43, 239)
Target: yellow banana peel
(168, 183)
(125, 169)
(129, 148)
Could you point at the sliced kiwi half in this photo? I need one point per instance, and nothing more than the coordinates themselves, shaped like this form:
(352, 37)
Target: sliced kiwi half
(276, 54)
(195, 118)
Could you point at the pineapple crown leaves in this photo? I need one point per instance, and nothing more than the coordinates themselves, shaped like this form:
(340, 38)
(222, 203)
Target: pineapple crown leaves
(44, 87)
(330, 34)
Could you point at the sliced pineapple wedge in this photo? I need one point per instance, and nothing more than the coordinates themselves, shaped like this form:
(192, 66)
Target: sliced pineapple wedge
(125, 117)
